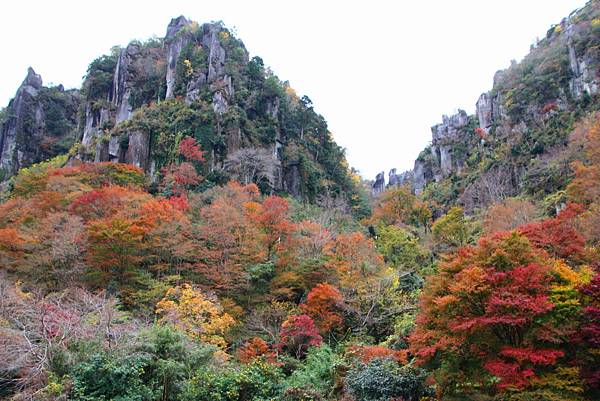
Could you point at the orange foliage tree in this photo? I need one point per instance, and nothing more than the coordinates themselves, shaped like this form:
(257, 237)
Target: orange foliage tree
(227, 240)
(397, 206)
(271, 218)
(254, 348)
(325, 305)
(114, 251)
(354, 258)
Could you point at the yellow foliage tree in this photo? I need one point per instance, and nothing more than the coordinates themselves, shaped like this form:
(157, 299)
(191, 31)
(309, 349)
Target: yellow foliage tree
(194, 313)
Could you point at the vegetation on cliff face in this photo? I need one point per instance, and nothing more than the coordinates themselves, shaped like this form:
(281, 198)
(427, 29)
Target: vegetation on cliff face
(237, 259)
(517, 143)
(223, 100)
(137, 103)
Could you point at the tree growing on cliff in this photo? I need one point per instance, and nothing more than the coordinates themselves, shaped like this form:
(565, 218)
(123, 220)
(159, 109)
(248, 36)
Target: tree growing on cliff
(253, 165)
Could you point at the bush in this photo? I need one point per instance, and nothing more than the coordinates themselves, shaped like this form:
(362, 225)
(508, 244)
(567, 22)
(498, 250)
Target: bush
(258, 381)
(105, 377)
(158, 368)
(317, 375)
(384, 379)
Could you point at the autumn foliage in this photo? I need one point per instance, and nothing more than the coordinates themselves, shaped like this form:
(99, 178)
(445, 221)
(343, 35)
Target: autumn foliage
(254, 276)
(255, 348)
(298, 333)
(506, 307)
(196, 314)
(558, 236)
(325, 305)
(366, 353)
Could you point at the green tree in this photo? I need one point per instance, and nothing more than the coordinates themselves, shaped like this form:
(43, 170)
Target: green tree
(450, 231)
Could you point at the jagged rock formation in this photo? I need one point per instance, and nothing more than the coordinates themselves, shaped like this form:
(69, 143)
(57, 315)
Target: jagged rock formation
(139, 102)
(442, 158)
(230, 101)
(399, 179)
(444, 136)
(175, 41)
(39, 124)
(379, 184)
(515, 141)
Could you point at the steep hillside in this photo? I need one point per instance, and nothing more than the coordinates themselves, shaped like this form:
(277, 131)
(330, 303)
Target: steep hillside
(516, 143)
(153, 260)
(138, 103)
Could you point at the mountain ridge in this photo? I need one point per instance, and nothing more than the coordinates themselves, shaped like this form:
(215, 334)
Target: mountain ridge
(558, 79)
(137, 103)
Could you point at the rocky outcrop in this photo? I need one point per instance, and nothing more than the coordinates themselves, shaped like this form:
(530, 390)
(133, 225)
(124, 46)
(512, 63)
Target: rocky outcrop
(40, 121)
(584, 79)
(106, 138)
(379, 184)
(508, 111)
(134, 64)
(138, 102)
(291, 181)
(418, 176)
(441, 159)
(216, 53)
(214, 76)
(444, 138)
(399, 179)
(21, 109)
(138, 150)
(121, 90)
(485, 111)
(175, 40)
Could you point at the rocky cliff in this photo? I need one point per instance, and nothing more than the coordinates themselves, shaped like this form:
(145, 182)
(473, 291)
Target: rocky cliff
(515, 142)
(137, 103)
(38, 123)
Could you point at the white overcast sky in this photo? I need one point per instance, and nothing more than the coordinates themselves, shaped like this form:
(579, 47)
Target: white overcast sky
(381, 72)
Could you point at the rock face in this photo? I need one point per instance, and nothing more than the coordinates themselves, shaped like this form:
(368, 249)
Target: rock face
(24, 105)
(379, 184)
(139, 102)
(40, 124)
(121, 90)
(523, 100)
(444, 137)
(485, 112)
(399, 179)
(584, 79)
(135, 65)
(442, 157)
(175, 39)
(418, 175)
(138, 66)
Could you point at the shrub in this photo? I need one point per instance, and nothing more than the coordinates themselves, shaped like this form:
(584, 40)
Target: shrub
(258, 381)
(384, 379)
(105, 377)
(317, 375)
